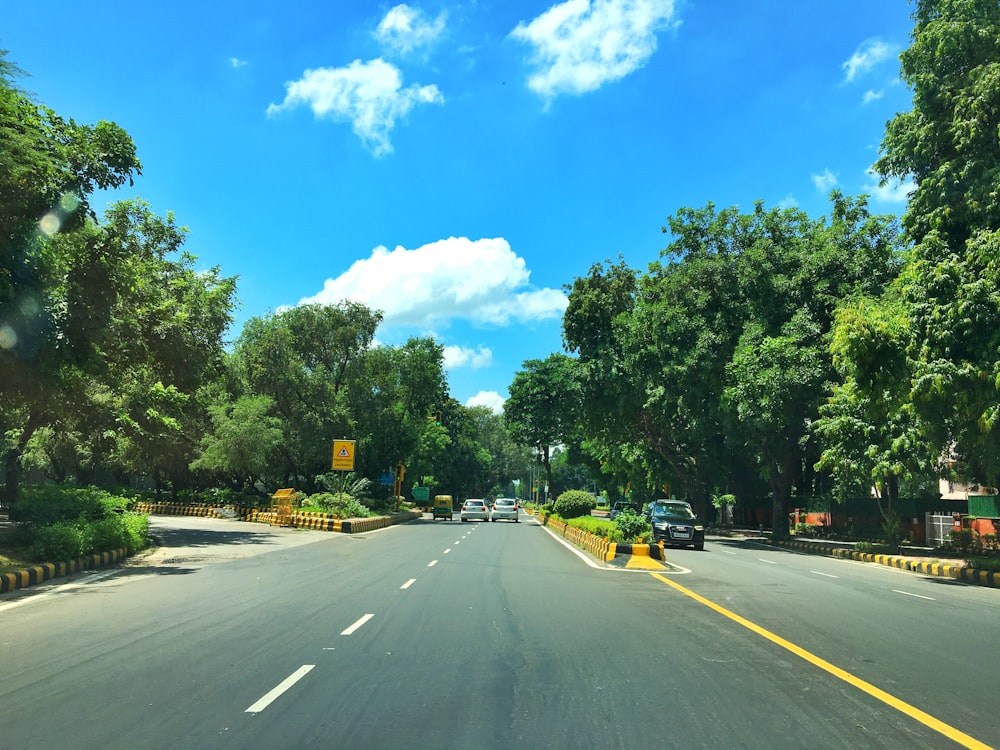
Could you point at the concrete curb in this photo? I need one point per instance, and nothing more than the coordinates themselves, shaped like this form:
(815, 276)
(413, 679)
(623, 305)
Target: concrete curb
(938, 570)
(42, 572)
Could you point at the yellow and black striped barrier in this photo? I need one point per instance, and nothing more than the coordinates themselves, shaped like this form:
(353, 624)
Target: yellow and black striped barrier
(936, 569)
(36, 574)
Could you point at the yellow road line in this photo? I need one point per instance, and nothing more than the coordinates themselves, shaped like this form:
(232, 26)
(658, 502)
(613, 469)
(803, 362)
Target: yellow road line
(912, 711)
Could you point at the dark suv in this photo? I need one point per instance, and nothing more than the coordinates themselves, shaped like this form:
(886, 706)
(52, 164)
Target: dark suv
(675, 523)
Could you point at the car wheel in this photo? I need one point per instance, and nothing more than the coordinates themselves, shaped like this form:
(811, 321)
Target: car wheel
(700, 547)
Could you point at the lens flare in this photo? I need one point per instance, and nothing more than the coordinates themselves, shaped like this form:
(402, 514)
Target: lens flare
(8, 337)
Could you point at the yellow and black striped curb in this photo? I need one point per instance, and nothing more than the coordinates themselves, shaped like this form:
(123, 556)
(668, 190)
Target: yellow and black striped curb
(299, 519)
(331, 522)
(939, 570)
(599, 546)
(244, 513)
(20, 579)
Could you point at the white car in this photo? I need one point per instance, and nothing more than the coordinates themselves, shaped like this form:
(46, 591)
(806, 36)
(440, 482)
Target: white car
(475, 509)
(504, 507)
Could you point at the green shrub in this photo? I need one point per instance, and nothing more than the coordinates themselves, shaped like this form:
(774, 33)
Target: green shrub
(630, 526)
(574, 503)
(597, 526)
(57, 542)
(343, 504)
(961, 539)
(49, 504)
(103, 535)
(136, 531)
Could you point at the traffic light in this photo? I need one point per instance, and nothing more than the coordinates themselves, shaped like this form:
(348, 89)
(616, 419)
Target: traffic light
(437, 418)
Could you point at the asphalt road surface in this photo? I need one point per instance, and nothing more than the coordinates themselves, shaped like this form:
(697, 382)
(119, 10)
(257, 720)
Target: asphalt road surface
(491, 635)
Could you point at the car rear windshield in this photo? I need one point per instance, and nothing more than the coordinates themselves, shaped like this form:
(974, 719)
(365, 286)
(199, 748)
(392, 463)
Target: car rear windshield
(507, 503)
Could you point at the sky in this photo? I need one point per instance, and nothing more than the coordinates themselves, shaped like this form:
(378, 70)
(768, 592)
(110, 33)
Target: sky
(456, 165)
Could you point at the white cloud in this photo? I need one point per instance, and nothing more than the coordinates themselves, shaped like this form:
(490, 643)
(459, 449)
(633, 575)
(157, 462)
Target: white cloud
(897, 192)
(872, 96)
(788, 202)
(579, 45)
(458, 356)
(826, 181)
(237, 62)
(404, 29)
(868, 54)
(482, 281)
(368, 94)
(491, 399)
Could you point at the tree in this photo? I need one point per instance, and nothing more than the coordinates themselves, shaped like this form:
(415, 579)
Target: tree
(53, 292)
(303, 359)
(243, 444)
(543, 406)
(871, 437)
(948, 143)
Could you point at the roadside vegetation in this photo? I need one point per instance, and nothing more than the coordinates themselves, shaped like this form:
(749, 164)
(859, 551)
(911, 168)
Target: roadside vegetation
(767, 353)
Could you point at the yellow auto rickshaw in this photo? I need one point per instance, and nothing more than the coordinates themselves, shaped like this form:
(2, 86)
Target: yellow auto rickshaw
(442, 507)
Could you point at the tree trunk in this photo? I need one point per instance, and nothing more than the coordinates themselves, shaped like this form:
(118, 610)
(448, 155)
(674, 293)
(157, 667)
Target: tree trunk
(781, 493)
(12, 463)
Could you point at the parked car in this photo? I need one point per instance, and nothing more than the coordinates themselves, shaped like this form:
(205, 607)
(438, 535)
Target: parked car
(475, 509)
(504, 508)
(675, 523)
(622, 505)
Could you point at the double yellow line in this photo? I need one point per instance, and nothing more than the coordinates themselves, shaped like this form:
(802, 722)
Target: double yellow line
(912, 711)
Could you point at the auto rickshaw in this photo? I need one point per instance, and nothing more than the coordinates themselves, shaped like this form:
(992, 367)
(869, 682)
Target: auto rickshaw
(443, 507)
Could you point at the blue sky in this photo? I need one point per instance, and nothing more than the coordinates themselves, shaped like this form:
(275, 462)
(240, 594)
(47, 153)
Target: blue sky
(455, 165)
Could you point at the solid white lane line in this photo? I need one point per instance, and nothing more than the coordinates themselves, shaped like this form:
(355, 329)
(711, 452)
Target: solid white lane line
(918, 596)
(828, 575)
(769, 562)
(361, 621)
(432, 563)
(285, 684)
(64, 588)
(408, 583)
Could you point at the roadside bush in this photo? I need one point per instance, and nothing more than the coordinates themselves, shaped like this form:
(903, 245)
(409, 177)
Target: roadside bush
(601, 527)
(49, 504)
(961, 539)
(574, 503)
(630, 525)
(57, 542)
(343, 504)
(103, 535)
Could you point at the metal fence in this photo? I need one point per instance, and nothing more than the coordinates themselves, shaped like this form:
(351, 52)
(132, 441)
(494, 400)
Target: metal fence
(939, 527)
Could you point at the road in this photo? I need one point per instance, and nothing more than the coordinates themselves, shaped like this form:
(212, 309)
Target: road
(491, 635)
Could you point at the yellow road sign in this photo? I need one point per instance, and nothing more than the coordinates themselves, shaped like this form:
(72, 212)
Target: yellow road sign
(343, 455)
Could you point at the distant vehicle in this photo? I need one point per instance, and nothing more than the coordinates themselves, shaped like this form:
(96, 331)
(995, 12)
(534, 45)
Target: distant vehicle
(475, 509)
(504, 508)
(620, 506)
(443, 507)
(675, 523)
